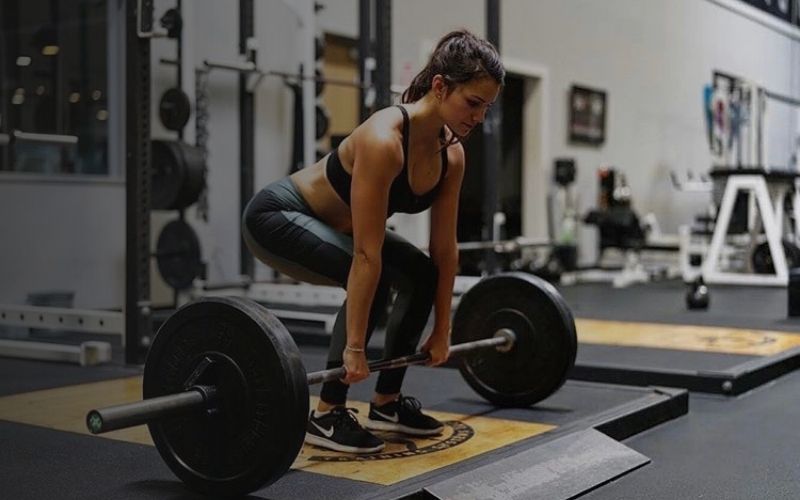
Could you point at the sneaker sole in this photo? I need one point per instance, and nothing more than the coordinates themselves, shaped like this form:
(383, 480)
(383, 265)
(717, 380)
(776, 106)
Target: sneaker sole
(377, 425)
(332, 445)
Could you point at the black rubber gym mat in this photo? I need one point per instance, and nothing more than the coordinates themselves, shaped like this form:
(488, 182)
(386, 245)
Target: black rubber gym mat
(49, 464)
(726, 448)
(658, 358)
(19, 375)
(763, 308)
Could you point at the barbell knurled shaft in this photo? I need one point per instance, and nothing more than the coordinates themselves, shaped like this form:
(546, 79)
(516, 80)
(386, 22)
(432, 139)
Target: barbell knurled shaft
(323, 376)
(412, 359)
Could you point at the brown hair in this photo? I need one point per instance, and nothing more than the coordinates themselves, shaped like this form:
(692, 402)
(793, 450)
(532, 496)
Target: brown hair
(459, 57)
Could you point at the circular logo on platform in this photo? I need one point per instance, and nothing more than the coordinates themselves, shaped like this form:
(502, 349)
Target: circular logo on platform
(399, 446)
(738, 340)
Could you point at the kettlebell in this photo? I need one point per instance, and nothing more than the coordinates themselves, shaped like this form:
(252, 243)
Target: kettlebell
(697, 297)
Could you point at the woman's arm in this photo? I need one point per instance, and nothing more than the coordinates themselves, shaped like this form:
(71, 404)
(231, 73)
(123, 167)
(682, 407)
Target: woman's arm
(377, 161)
(444, 253)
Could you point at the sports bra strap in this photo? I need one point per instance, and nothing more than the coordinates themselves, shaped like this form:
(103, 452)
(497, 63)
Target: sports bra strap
(405, 136)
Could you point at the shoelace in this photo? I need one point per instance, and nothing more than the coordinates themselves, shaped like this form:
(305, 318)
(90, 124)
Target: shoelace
(346, 417)
(410, 403)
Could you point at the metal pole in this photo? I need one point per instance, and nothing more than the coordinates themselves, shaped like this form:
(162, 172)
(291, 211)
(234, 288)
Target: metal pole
(247, 148)
(307, 34)
(179, 70)
(365, 60)
(492, 134)
(791, 101)
(138, 328)
(506, 337)
(383, 53)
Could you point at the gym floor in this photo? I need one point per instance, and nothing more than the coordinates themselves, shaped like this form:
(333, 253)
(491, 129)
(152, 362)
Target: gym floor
(725, 447)
(740, 447)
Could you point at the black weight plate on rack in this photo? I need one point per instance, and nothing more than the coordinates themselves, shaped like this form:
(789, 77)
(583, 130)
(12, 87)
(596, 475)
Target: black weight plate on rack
(761, 258)
(174, 109)
(178, 254)
(323, 122)
(178, 176)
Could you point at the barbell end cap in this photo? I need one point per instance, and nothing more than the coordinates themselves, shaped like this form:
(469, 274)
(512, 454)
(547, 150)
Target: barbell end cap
(511, 339)
(94, 422)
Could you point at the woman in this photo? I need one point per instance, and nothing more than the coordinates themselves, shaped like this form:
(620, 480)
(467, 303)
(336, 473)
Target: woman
(326, 224)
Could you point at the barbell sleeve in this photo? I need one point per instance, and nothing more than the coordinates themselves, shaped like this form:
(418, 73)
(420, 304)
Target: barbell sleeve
(503, 337)
(141, 412)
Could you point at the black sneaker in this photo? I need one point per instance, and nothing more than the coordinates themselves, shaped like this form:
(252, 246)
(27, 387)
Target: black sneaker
(404, 415)
(339, 430)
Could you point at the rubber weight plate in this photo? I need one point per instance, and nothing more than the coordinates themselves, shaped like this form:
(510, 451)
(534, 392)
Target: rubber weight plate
(178, 176)
(178, 254)
(322, 122)
(761, 258)
(545, 346)
(174, 108)
(257, 429)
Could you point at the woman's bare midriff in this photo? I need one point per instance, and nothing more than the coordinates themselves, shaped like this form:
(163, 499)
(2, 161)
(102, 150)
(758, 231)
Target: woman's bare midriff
(315, 188)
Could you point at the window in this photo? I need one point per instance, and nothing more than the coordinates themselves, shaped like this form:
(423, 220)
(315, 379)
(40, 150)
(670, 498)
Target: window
(53, 87)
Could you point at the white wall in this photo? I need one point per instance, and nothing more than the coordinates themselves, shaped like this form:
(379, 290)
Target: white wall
(651, 56)
(63, 236)
(339, 17)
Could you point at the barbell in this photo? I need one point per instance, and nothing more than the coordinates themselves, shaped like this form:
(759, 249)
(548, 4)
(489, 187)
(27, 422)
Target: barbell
(226, 396)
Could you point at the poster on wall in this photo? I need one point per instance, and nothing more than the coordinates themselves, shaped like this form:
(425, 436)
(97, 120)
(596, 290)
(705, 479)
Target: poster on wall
(587, 115)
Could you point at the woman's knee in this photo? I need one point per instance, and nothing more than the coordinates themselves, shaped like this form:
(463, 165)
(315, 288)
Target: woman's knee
(254, 218)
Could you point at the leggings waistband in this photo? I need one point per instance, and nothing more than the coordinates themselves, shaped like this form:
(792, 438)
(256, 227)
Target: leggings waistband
(284, 195)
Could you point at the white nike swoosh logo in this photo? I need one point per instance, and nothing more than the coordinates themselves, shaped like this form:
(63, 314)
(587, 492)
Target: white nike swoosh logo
(391, 418)
(325, 432)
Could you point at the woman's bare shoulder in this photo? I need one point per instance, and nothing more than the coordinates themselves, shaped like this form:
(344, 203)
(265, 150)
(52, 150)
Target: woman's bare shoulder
(385, 124)
(380, 134)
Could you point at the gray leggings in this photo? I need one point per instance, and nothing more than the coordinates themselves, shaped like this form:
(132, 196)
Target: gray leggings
(281, 230)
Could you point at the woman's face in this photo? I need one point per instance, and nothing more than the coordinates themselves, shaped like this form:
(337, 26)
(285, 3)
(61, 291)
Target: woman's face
(465, 106)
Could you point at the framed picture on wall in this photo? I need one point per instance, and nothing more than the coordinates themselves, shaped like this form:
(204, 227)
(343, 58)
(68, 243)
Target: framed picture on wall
(587, 115)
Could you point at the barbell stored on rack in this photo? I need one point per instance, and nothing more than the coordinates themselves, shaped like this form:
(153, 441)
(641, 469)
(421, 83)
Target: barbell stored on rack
(227, 396)
(250, 68)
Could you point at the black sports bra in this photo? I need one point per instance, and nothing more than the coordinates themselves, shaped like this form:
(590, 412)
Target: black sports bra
(401, 198)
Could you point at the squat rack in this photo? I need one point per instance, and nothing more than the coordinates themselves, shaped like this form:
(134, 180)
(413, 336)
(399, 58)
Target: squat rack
(139, 32)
